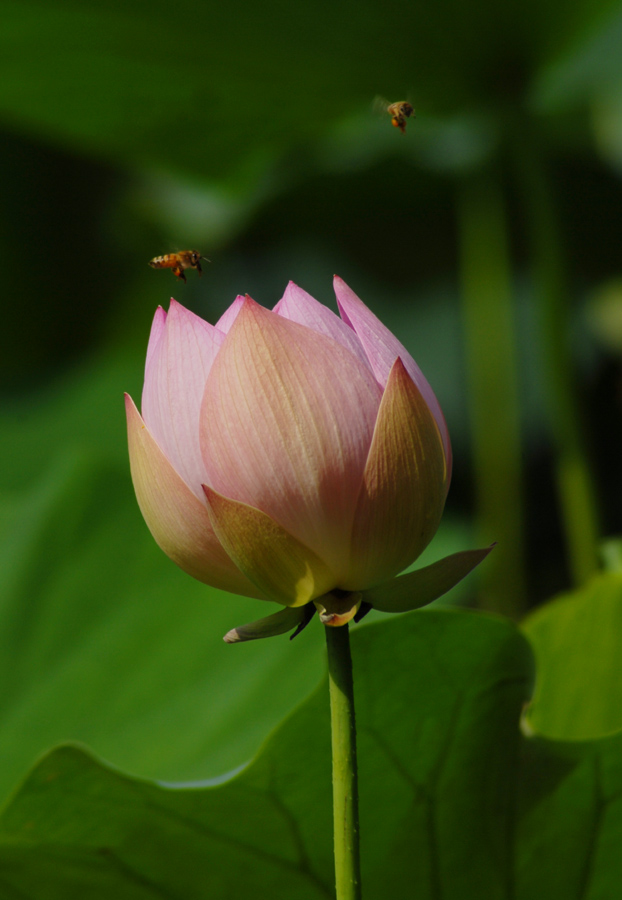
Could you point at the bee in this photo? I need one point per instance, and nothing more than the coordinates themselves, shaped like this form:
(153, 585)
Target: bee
(185, 259)
(399, 112)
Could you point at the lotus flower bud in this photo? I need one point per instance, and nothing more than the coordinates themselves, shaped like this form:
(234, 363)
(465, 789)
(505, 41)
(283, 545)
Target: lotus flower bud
(293, 456)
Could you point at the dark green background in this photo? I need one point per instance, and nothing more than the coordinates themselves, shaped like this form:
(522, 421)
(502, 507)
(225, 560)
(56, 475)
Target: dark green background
(246, 130)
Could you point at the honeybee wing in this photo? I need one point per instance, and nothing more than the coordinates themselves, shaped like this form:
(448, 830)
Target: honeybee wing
(380, 105)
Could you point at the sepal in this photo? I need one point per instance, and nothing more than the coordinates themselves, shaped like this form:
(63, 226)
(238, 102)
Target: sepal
(417, 589)
(270, 626)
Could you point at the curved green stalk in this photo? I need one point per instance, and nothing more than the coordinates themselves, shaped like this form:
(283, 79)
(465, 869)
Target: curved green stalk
(491, 355)
(575, 484)
(345, 783)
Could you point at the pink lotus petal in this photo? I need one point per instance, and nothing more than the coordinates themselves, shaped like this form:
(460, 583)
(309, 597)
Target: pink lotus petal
(383, 348)
(230, 315)
(298, 306)
(404, 486)
(283, 569)
(286, 423)
(157, 329)
(174, 383)
(177, 519)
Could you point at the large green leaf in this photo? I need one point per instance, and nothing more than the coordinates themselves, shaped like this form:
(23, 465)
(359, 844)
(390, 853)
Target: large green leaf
(569, 822)
(438, 698)
(576, 640)
(455, 802)
(81, 413)
(104, 640)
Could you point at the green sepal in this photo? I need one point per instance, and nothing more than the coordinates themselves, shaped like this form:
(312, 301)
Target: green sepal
(416, 589)
(278, 623)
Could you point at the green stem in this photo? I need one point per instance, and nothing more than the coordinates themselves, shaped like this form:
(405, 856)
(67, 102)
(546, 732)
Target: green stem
(491, 356)
(345, 783)
(575, 486)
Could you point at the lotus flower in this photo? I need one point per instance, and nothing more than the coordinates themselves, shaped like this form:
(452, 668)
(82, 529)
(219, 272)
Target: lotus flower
(293, 456)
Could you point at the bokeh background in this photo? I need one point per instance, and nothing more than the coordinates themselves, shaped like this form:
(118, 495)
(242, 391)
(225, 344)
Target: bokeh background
(488, 237)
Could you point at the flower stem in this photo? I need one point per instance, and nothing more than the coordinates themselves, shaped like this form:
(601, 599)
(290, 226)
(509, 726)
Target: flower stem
(491, 356)
(345, 783)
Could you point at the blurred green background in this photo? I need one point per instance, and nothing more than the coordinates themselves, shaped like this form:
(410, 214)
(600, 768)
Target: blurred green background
(487, 238)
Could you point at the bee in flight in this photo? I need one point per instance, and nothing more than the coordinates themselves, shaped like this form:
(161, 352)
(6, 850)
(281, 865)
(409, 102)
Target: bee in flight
(399, 112)
(185, 259)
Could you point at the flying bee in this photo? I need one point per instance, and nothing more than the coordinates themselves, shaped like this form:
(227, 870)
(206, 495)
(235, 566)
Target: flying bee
(399, 112)
(185, 259)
